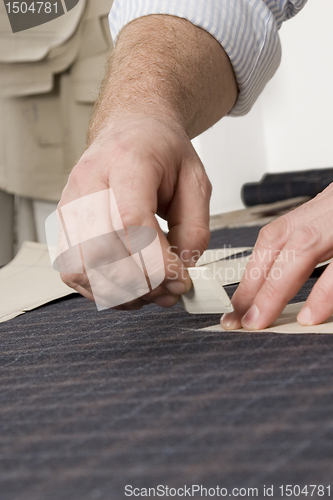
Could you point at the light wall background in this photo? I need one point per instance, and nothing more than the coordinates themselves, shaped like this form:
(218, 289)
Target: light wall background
(290, 126)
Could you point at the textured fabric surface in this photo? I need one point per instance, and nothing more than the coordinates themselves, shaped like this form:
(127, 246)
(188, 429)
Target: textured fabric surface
(91, 402)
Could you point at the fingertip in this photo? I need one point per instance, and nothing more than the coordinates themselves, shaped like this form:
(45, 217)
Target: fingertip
(304, 317)
(177, 279)
(251, 318)
(230, 322)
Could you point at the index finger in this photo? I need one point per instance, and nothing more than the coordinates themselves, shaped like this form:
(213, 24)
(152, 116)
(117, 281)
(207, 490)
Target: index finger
(270, 242)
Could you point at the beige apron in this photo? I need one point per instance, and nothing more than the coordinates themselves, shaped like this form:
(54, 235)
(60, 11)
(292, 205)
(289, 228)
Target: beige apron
(49, 79)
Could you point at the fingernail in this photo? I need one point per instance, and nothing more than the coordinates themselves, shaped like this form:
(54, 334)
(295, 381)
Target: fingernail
(229, 322)
(305, 316)
(176, 287)
(250, 319)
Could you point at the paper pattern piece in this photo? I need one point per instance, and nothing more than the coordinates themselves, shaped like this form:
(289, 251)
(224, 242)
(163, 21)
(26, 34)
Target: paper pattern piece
(225, 267)
(217, 254)
(287, 324)
(230, 271)
(29, 281)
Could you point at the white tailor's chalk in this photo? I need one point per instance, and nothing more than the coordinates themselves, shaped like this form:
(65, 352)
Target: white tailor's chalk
(206, 296)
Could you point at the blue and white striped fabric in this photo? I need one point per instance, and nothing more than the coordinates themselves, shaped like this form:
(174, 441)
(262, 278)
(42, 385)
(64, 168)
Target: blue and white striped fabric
(246, 29)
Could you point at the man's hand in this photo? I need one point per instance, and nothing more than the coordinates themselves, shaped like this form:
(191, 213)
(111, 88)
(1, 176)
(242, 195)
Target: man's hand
(286, 252)
(166, 82)
(151, 168)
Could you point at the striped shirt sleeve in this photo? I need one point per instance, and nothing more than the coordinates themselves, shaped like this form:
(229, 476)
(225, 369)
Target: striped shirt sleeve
(246, 29)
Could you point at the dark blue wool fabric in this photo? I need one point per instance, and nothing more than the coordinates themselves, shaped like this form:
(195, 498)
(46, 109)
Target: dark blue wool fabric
(92, 402)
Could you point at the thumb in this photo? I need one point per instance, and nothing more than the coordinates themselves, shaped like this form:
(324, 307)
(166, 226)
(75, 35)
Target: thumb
(188, 216)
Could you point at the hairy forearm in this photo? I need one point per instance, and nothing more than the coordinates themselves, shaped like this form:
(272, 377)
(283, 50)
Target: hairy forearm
(165, 67)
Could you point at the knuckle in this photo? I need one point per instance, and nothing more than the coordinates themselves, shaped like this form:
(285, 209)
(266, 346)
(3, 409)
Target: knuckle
(304, 238)
(130, 216)
(208, 188)
(274, 232)
(201, 181)
(78, 172)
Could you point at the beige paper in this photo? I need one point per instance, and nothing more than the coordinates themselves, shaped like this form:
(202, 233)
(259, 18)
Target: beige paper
(287, 324)
(29, 281)
(217, 254)
(230, 271)
(224, 270)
